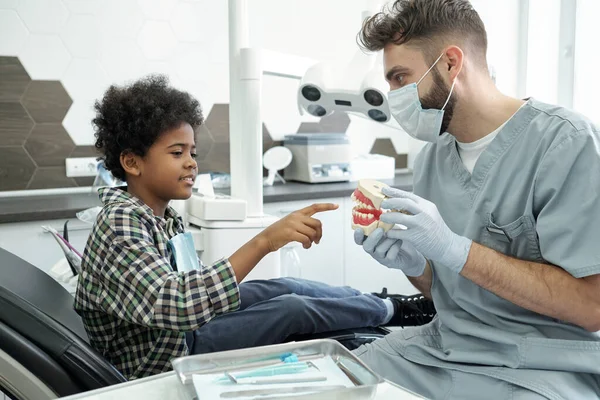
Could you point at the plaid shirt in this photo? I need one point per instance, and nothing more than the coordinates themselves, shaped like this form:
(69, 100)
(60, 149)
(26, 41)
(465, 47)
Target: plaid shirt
(135, 306)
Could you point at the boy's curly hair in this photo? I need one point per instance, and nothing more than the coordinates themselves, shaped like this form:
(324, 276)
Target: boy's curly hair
(130, 118)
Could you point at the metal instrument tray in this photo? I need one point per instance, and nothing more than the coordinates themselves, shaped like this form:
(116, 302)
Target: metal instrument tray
(364, 379)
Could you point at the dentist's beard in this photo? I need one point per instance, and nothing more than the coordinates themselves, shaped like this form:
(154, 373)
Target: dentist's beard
(437, 97)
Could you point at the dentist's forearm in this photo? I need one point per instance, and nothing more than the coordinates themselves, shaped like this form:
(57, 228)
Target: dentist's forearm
(423, 282)
(542, 288)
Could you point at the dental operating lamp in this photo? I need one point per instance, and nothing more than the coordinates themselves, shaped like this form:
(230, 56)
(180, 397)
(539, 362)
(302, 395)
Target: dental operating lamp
(356, 87)
(359, 90)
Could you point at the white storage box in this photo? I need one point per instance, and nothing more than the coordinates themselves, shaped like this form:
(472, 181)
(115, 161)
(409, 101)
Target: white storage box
(373, 166)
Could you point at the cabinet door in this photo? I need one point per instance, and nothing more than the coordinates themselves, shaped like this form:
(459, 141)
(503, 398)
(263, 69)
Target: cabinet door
(362, 272)
(30, 242)
(323, 262)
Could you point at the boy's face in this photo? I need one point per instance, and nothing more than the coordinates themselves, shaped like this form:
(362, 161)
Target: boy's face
(169, 168)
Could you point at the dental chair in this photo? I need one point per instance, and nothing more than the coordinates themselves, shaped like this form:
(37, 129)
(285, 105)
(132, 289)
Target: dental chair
(44, 350)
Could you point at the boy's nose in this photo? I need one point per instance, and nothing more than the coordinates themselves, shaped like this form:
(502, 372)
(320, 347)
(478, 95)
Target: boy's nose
(191, 163)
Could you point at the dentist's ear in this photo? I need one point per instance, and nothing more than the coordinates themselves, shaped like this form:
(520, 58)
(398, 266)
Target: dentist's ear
(453, 59)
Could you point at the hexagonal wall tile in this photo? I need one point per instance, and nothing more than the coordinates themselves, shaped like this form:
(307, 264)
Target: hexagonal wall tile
(334, 123)
(185, 22)
(84, 151)
(122, 59)
(85, 80)
(14, 33)
(84, 181)
(49, 145)
(360, 133)
(13, 79)
(204, 142)
(309, 127)
(78, 123)
(266, 139)
(159, 67)
(217, 159)
(386, 147)
(404, 144)
(337, 122)
(268, 143)
(187, 58)
(193, 22)
(46, 101)
(16, 168)
(43, 16)
(9, 4)
(90, 7)
(383, 146)
(213, 85)
(15, 124)
(157, 41)
(163, 68)
(157, 9)
(82, 36)
(123, 17)
(210, 84)
(45, 57)
(280, 106)
(201, 92)
(217, 122)
(50, 177)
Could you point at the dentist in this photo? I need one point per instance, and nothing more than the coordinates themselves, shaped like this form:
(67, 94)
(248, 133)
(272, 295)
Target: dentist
(505, 222)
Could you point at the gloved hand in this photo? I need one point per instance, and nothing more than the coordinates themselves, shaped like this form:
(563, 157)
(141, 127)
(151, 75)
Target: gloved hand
(426, 230)
(392, 253)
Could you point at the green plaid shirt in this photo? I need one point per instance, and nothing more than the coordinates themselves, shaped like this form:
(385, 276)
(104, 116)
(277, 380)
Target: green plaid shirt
(135, 306)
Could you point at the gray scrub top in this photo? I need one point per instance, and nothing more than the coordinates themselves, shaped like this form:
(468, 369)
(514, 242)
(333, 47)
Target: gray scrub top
(533, 195)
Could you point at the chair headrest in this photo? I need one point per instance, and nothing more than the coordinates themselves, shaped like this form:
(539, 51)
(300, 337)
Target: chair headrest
(30, 285)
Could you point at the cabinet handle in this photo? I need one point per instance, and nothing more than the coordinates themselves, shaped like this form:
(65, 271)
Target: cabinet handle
(285, 211)
(73, 228)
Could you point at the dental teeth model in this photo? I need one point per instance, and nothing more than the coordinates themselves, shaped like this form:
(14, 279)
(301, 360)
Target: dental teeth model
(367, 200)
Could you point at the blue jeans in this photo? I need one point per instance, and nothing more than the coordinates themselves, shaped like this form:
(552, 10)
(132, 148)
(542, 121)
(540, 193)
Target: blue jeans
(272, 310)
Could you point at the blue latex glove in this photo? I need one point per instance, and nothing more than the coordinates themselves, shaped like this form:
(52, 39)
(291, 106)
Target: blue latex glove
(392, 253)
(427, 231)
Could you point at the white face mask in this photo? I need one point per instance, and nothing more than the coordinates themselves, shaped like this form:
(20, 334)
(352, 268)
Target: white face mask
(406, 108)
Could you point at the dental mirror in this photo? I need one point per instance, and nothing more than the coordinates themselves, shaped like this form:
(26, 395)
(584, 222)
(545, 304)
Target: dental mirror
(276, 159)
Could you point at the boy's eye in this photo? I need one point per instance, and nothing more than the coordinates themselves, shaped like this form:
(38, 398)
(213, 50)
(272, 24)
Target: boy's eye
(194, 155)
(177, 153)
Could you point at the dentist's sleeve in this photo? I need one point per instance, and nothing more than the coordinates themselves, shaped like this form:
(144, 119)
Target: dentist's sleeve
(567, 204)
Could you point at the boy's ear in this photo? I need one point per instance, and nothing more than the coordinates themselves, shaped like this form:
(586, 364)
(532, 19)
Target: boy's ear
(131, 163)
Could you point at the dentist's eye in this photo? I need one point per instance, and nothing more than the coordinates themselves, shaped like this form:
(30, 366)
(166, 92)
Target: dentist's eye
(399, 78)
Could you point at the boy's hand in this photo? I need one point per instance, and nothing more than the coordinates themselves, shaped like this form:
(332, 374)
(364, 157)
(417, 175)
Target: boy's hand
(298, 226)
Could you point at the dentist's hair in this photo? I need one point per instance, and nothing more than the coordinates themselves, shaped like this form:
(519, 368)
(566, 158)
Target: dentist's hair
(428, 25)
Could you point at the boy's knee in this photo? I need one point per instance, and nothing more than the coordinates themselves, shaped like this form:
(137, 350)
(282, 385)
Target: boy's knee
(290, 283)
(293, 305)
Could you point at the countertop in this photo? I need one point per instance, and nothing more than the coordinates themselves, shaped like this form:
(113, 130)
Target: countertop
(167, 386)
(61, 206)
